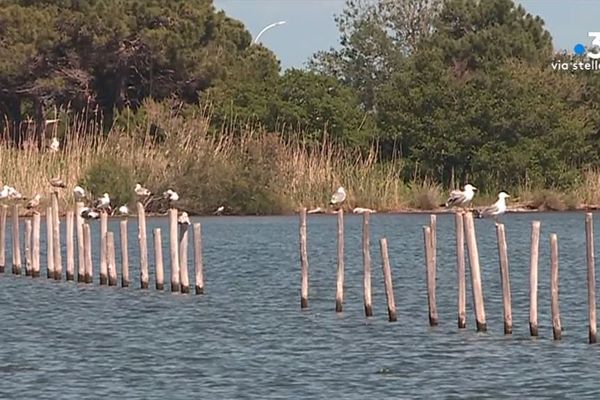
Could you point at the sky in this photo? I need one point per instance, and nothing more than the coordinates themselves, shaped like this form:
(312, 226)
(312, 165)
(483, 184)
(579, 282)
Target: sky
(310, 24)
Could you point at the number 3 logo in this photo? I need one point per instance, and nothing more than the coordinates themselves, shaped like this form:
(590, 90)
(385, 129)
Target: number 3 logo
(596, 44)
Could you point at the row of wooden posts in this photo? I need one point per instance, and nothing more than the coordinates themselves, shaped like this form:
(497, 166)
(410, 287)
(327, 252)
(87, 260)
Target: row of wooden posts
(465, 227)
(178, 241)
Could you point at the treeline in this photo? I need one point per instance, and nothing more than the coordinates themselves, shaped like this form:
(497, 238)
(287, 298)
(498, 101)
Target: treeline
(453, 90)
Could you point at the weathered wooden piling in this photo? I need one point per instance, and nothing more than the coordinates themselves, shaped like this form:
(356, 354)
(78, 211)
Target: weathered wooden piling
(591, 276)
(366, 233)
(49, 244)
(183, 258)
(533, 277)
(70, 246)
(460, 270)
(16, 241)
(56, 237)
(478, 304)
(3, 214)
(174, 250)
(199, 263)
(80, 251)
(504, 278)
(124, 253)
(35, 246)
(27, 244)
(556, 328)
(110, 259)
(143, 245)
(158, 260)
(303, 261)
(87, 249)
(430, 275)
(103, 261)
(433, 226)
(339, 295)
(387, 280)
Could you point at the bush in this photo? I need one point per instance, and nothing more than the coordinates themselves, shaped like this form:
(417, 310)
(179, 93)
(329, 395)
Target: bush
(109, 175)
(548, 200)
(424, 195)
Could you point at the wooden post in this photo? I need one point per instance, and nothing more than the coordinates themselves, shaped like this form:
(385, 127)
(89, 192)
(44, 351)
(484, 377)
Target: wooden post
(504, 278)
(143, 245)
(56, 237)
(3, 214)
(124, 253)
(198, 260)
(158, 260)
(533, 277)
(339, 295)
(70, 247)
(80, 247)
(87, 246)
(460, 270)
(110, 259)
(591, 276)
(174, 251)
(556, 329)
(475, 272)
(35, 246)
(430, 275)
(16, 241)
(303, 261)
(49, 244)
(433, 226)
(387, 280)
(183, 258)
(103, 262)
(27, 240)
(367, 265)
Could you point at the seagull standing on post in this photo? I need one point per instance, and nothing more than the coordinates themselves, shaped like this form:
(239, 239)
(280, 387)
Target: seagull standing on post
(171, 196)
(461, 197)
(497, 209)
(57, 183)
(103, 202)
(79, 193)
(33, 203)
(141, 191)
(338, 197)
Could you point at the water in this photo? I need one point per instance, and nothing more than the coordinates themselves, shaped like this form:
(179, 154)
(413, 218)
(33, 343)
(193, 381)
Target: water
(246, 338)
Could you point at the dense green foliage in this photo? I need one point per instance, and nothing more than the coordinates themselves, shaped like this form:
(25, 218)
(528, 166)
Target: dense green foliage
(457, 89)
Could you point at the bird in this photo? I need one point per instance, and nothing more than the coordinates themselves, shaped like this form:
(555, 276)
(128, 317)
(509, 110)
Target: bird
(497, 209)
(219, 210)
(124, 210)
(79, 193)
(141, 191)
(57, 183)
(4, 193)
(88, 213)
(317, 210)
(54, 144)
(33, 203)
(13, 194)
(103, 202)
(338, 197)
(171, 196)
(361, 210)
(461, 197)
(183, 219)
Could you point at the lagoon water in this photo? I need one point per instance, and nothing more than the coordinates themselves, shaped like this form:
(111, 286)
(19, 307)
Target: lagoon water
(247, 339)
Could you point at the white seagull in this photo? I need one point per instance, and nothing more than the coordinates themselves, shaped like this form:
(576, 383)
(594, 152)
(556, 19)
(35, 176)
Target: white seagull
(183, 219)
(461, 197)
(54, 144)
(219, 210)
(57, 183)
(141, 191)
(361, 210)
(171, 195)
(317, 210)
(124, 210)
(14, 194)
(498, 208)
(79, 193)
(33, 203)
(88, 213)
(5, 192)
(338, 197)
(103, 202)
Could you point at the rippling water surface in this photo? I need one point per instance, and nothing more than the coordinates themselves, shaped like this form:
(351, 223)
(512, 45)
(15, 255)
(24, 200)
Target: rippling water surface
(246, 337)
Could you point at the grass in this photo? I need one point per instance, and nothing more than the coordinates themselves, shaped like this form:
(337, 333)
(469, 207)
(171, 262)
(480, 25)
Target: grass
(255, 172)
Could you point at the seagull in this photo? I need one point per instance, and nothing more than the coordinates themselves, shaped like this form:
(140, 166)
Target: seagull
(79, 193)
(13, 194)
(54, 144)
(103, 202)
(498, 208)
(141, 191)
(361, 210)
(183, 219)
(338, 197)
(123, 210)
(5, 192)
(171, 196)
(461, 197)
(57, 183)
(87, 213)
(219, 210)
(317, 210)
(33, 203)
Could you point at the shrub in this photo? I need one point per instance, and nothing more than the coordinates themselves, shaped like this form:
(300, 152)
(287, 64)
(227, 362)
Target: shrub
(109, 175)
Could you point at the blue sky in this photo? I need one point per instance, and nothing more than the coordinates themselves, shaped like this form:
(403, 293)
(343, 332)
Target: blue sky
(310, 26)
